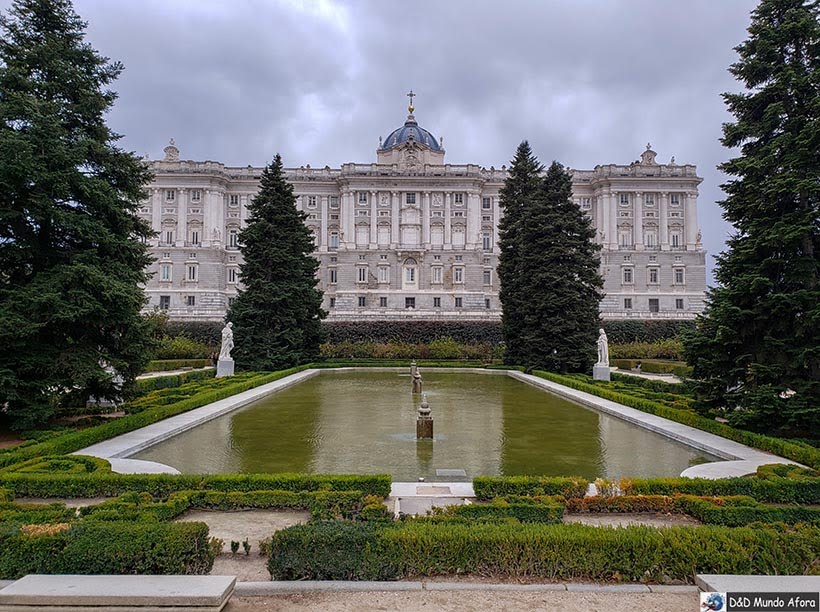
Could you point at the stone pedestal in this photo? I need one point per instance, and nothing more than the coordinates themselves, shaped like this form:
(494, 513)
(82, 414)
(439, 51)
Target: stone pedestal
(224, 367)
(600, 372)
(424, 428)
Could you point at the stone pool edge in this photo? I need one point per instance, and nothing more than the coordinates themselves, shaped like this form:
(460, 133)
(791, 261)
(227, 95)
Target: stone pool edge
(739, 460)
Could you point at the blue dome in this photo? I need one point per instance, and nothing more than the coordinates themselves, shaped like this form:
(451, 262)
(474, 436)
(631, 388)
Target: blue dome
(410, 131)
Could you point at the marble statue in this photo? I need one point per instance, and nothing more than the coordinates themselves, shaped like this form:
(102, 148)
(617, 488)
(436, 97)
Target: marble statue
(227, 342)
(603, 348)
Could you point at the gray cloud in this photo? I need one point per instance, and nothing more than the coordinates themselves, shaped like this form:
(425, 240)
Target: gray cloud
(585, 81)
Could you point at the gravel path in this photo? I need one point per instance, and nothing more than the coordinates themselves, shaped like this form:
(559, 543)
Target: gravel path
(470, 601)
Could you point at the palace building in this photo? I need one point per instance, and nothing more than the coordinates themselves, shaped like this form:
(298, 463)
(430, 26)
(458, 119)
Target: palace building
(411, 236)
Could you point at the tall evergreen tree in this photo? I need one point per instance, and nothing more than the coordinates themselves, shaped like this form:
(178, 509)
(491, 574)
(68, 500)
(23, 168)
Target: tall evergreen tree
(71, 253)
(520, 189)
(756, 350)
(559, 278)
(277, 316)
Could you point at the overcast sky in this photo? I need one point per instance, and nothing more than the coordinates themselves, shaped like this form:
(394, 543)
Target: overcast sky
(585, 81)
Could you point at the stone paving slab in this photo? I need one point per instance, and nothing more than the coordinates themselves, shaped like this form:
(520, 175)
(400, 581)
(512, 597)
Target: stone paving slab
(132, 442)
(187, 592)
(734, 583)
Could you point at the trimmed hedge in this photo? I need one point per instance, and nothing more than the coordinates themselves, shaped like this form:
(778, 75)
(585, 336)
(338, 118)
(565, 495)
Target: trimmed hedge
(796, 452)
(107, 548)
(75, 440)
(162, 485)
(65, 464)
(772, 490)
(489, 487)
(146, 385)
(351, 551)
(671, 348)
(404, 363)
(520, 511)
(678, 368)
(166, 365)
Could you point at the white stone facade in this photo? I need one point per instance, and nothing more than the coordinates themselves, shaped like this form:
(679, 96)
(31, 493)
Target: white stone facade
(412, 236)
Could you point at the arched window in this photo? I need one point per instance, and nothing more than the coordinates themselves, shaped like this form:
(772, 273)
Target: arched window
(410, 278)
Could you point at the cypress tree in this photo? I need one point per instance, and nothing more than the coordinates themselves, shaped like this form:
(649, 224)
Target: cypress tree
(559, 279)
(72, 256)
(520, 188)
(756, 349)
(277, 315)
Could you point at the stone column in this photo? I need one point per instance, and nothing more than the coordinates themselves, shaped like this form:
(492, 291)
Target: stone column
(219, 217)
(663, 222)
(156, 214)
(207, 217)
(611, 199)
(374, 217)
(425, 219)
(182, 217)
(637, 227)
(690, 227)
(601, 222)
(347, 225)
(473, 220)
(394, 219)
(243, 210)
(323, 208)
(448, 238)
(496, 219)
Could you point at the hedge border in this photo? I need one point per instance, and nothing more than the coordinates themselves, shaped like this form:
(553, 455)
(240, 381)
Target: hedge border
(165, 365)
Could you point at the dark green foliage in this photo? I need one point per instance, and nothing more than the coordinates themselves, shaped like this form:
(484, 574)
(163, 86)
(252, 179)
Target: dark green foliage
(620, 332)
(145, 385)
(442, 348)
(490, 487)
(548, 268)
(108, 548)
(165, 365)
(328, 550)
(523, 511)
(801, 453)
(71, 250)
(162, 485)
(31, 514)
(759, 339)
(680, 370)
(208, 333)
(66, 464)
(277, 315)
(772, 490)
(344, 551)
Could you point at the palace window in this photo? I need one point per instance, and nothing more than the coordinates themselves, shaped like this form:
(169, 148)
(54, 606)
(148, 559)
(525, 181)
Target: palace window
(311, 201)
(679, 276)
(486, 203)
(486, 217)
(231, 275)
(409, 302)
(190, 301)
(382, 302)
(438, 213)
(653, 276)
(624, 199)
(334, 217)
(627, 276)
(487, 303)
(195, 237)
(459, 301)
(649, 199)
(334, 240)
(165, 273)
(384, 213)
(333, 302)
(334, 201)
(233, 200)
(586, 203)
(169, 237)
(458, 274)
(145, 210)
(487, 241)
(383, 257)
(653, 258)
(459, 257)
(361, 274)
(233, 237)
(384, 274)
(458, 198)
(364, 213)
(410, 198)
(458, 213)
(192, 273)
(654, 305)
(650, 239)
(192, 255)
(362, 197)
(436, 302)
(195, 211)
(410, 274)
(678, 303)
(196, 195)
(332, 276)
(674, 239)
(488, 277)
(362, 301)
(674, 199)
(164, 302)
(627, 303)
(170, 195)
(437, 275)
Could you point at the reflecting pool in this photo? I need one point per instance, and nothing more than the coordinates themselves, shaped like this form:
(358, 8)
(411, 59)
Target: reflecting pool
(364, 422)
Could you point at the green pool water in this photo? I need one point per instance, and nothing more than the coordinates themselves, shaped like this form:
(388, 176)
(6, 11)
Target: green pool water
(364, 422)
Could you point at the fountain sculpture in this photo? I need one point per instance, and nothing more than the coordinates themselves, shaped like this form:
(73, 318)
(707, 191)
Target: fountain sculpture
(416, 376)
(424, 422)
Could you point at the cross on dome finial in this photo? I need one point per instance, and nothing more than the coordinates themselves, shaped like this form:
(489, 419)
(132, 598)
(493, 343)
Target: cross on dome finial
(411, 95)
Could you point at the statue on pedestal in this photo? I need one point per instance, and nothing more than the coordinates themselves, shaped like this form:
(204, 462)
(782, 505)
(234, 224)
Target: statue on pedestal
(227, 342)
(603, 348)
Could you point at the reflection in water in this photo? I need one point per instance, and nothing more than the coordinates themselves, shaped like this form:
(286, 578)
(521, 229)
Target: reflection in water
(364, 422)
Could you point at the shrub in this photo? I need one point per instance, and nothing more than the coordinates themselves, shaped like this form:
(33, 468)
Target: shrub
(678, 368)
(145, 385)
(490, 487)
(520, 511)
(181, 347)
(108, 548)
(166, 365)
(670, 348)
(362, 551)
(773, 490)
(6, 496)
